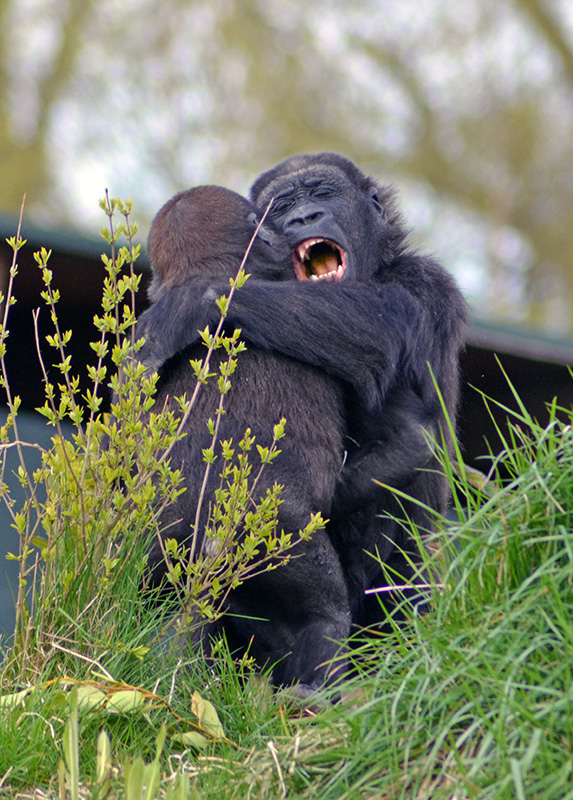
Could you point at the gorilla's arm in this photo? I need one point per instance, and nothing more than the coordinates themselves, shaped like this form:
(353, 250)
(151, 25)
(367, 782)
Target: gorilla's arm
(394, 441)
(356, 332)
(400, 444)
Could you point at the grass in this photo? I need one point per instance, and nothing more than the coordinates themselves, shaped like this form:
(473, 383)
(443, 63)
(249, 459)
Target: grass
(473, 699)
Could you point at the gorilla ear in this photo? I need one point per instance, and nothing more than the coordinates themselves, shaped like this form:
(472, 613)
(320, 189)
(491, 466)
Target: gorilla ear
(373, 195)
(264, 233)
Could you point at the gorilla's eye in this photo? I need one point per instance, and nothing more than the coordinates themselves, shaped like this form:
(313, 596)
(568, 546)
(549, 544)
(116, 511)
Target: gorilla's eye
(322, 193)
(280, 205)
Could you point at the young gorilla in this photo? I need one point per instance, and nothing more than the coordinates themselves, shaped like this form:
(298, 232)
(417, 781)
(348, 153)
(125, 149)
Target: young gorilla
(386, 321)
(291, 617)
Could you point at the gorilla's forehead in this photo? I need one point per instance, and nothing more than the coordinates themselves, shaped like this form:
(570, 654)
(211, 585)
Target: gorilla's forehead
(307, 174)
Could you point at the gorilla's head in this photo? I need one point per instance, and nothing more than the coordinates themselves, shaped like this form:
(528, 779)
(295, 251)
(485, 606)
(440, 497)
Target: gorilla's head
(206, 231)
(340, 224)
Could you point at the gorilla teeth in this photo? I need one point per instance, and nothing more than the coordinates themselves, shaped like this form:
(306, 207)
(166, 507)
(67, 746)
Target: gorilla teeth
(303, 249)
(335, 275)
(320, 259)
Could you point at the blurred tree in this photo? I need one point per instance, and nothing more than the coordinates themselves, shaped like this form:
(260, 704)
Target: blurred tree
(37, 61)
(467, 107)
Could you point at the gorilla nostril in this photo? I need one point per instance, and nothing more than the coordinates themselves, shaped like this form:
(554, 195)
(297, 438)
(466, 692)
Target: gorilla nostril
(302, 217)
(294, 223)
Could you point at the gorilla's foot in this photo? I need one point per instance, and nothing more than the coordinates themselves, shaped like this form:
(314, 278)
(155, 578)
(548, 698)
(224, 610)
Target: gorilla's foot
(302, 697)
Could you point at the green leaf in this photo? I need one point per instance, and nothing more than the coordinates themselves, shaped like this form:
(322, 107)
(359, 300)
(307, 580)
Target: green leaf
(207, 716)
(90, 697)
(126, 700)
(134, 779)
(12, 700)
(191, 739)
(103, 768)
(71, 745)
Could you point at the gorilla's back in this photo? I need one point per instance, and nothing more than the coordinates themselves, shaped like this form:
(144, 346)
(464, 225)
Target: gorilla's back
(265, 388)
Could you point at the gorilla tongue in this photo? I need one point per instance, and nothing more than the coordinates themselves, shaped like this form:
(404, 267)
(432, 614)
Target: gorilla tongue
(319, 259)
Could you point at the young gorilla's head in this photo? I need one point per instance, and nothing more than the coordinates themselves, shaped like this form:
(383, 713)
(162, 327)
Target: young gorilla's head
(206, 231)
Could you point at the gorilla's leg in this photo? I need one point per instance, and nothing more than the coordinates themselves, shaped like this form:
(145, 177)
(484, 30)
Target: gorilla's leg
(306, 616)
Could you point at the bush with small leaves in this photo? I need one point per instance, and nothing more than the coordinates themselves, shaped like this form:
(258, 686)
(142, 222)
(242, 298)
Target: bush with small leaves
(94, 505)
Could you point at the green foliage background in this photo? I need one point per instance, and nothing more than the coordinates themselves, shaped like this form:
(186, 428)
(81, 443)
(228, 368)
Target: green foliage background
(468, 111)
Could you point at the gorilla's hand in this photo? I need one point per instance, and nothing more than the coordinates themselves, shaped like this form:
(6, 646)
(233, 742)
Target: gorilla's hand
(401, 445)
(173, 322)
(152, 353)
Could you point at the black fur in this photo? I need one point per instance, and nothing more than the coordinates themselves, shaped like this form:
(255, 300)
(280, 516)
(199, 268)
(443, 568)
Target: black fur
(391, 316)
(296, 614)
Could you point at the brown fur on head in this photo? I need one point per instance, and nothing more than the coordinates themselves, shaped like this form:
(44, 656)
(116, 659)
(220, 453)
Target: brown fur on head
(206, 231)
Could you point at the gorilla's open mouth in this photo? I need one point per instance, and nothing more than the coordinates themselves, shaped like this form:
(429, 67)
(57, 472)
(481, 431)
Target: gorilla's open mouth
(319, 260)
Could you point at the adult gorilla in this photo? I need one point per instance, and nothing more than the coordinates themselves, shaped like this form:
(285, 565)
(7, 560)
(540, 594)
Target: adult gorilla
(369, 311)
